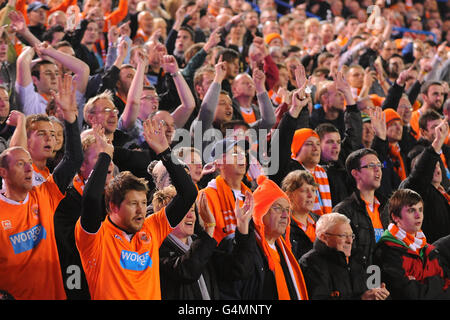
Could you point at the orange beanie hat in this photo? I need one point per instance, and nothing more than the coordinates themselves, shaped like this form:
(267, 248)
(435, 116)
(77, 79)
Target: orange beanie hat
(300, 136)
(264, 196)
(272, 36)
(391, 115)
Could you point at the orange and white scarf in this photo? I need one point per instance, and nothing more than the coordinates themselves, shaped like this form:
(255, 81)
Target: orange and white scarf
(322, 203)
(221, 200)
(414, 242)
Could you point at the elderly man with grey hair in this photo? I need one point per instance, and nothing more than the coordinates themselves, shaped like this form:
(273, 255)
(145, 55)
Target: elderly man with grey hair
(334, 271)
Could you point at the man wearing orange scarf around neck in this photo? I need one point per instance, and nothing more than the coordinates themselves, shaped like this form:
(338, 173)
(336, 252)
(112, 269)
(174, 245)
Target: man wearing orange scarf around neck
(410, 266)
(230, 157)
(277, 274)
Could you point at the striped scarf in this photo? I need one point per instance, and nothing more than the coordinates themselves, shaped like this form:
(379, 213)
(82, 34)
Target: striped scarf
(414, 242)
(322, 204)
(221, 202)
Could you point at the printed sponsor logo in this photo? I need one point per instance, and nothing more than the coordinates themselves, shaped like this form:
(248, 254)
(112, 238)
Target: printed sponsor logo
(28, 239)
(6, 224)
(131, 260)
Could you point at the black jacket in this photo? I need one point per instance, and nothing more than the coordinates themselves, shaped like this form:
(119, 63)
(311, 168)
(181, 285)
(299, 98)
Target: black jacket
(287, 127)
(66, 216)
(261, 284)
(338, 178)
(328, 276)
(355, 209)
(398, 263)
(180, 271)
(436, 210)
(300, 242)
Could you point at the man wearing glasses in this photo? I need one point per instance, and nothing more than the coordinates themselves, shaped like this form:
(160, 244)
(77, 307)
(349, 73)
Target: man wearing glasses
(142, 101)
(332, 270)
(101, 110)
(364, 207)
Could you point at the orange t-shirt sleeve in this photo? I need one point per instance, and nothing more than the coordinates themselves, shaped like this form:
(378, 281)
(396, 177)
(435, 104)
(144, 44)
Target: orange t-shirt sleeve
(62, 6)
(158, 225)
(117, 15)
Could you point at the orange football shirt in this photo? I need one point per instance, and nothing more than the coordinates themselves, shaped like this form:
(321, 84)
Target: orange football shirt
(118, 268)
(29, 261)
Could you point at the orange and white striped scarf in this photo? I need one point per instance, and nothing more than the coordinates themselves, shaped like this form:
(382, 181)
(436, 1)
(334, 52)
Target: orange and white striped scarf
(322, 203)
(414, 242)
(221, 202)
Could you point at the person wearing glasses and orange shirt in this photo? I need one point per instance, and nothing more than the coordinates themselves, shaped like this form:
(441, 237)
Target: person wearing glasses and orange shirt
(364, 207)
(332, 270)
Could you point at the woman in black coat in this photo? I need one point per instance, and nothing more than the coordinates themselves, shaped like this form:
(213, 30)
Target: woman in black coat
(192, 265)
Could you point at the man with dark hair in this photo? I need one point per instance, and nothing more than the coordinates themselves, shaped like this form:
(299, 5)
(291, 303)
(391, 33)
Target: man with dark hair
(427, 125)
(432, 94)
(410, 266)
(364, 207)
(426, 179)
(334, 151)
(121, 255)
(231, 59)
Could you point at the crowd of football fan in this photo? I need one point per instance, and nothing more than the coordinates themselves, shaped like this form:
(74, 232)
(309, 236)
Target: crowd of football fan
(224, 149)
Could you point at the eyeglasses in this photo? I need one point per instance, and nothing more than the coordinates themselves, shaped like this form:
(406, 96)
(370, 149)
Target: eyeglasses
(280, 209)
(373, 166)
(151, 98)
(342, 236)
(110, 110)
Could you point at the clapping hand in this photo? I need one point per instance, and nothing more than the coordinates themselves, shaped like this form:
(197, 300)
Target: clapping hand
(245, 213)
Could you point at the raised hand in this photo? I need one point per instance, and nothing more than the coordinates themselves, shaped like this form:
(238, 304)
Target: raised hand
(42, 49)
(245, 213)
(378, 121)
(155, 135)
(299, 101)
(259, 78)
(221, 70)
(122, 49)
(103, 144)
(343, 86)
(300, 76)
(65, 98)
(125, 30)
(441, 133)
(18, 23)
(403, 76)
(15, 117)
(113, 34)
(213, 40)
(169, 63)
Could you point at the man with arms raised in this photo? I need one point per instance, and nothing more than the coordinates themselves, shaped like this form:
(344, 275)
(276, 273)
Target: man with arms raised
(29, 263)
(121, 255)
